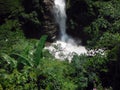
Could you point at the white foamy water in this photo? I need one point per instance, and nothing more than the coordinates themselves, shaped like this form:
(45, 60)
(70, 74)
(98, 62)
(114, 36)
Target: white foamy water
(65, 51)
(62, 50)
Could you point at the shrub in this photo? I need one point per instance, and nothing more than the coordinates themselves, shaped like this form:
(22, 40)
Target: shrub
(87, 70)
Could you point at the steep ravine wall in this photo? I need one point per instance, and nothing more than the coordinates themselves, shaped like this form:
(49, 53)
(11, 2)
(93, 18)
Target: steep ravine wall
(38, 19)
(49, 25)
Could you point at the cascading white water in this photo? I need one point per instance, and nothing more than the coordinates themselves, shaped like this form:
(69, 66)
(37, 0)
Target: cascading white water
(60, 17)
(66, 46)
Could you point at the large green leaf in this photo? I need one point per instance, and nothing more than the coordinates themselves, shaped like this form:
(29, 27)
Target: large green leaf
(38, 52)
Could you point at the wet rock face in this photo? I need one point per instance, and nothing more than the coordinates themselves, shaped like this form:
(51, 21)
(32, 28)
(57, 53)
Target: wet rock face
(49, 25)
(38, 19)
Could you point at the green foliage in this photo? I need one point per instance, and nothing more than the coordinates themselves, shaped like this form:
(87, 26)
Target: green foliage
(18, 80)
(107, 21)
(10, 34)
(49, 75)
(31, 17)
(97, 27)
(93, 19)
(109, 40)
(10, 7)
(18, 70)
(87, 69)
(55, 75)
(109, 8)
(9, 60)
(38, 52)
(24, 65)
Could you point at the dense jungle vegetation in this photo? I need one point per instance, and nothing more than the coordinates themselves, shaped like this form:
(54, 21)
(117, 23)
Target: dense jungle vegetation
(25, 65)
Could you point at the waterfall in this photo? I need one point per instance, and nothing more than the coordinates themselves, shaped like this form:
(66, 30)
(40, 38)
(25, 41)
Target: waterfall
(66, 47)
(60, 17)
